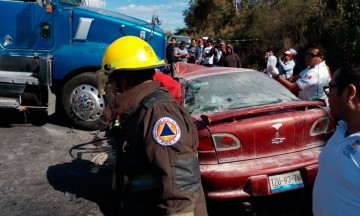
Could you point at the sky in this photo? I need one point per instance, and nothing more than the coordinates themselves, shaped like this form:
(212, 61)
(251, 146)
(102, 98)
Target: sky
(168, 11)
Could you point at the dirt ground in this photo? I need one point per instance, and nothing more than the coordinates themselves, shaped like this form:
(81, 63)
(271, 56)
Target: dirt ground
(39, 176)
(46, 169)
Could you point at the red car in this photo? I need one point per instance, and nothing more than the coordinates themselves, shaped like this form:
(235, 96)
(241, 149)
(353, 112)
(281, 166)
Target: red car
(255, 137)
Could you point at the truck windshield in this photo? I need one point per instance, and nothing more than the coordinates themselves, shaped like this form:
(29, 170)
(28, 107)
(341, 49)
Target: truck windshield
(72, 2)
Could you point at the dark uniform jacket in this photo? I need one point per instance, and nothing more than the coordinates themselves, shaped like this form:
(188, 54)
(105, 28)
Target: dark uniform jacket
(157, 166)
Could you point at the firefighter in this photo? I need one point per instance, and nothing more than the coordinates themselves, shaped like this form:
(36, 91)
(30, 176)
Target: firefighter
(157, 169)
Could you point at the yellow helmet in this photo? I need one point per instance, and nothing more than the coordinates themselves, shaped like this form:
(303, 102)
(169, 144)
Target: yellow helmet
(126, 53)
(130, 53)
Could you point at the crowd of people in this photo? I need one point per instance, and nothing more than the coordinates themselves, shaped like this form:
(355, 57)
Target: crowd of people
(309, 83)
(205, 52)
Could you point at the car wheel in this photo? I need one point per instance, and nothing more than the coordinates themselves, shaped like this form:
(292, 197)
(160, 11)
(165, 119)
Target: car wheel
(81, 102)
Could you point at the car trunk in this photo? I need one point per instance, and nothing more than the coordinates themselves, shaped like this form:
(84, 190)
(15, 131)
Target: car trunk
(266, 131)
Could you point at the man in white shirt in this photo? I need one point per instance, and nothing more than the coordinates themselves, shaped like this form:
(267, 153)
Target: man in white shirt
(337, 186)
(286, 66)
(309, 83)
(270, 57)
(271, 61)
(208, 54)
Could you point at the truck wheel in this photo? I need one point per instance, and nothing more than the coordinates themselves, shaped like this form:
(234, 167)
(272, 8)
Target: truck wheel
(81, 102)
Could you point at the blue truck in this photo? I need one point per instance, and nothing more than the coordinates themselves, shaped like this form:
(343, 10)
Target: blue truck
(50, 51)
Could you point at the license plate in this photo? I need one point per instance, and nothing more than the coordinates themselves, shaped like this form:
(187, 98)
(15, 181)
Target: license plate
(286, 181)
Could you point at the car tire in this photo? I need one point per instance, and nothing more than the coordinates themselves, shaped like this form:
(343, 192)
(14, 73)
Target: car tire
(81, 102)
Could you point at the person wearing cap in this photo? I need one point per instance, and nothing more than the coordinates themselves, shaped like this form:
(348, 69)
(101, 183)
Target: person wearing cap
(220, 51)
(231, 59)
(293, 51)
(286, 66)
(157, 169)
(309, 83)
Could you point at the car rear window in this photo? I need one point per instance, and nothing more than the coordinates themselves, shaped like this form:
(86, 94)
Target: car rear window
(234, 90)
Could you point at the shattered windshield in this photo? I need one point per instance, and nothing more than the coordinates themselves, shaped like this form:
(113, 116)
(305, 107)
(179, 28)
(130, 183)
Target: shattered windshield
(235, 90)
(72, 2)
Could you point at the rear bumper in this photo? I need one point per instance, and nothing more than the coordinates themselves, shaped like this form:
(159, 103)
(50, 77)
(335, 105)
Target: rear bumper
(249, 178)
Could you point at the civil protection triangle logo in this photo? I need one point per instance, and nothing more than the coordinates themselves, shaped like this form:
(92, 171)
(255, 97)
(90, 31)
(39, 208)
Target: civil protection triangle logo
(166, 131)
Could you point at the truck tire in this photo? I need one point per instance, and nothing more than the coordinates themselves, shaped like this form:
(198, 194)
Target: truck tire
(81, 102)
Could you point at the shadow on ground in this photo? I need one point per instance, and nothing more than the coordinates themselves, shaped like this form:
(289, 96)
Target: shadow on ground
(80, 178)
(39, 118)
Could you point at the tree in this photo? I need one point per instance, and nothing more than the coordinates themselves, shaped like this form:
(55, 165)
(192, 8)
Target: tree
(254, 25)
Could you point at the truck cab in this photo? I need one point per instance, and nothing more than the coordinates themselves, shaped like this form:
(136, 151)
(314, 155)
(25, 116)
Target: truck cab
(50, 51)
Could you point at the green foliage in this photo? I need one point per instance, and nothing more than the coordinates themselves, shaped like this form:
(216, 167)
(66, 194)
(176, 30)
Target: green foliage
(254, 25)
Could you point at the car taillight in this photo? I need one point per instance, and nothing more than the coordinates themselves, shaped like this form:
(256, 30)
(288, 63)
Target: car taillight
(206, 144)
(320, 126)
(206, 150)
(224, 142)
